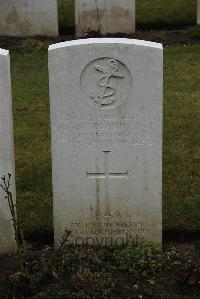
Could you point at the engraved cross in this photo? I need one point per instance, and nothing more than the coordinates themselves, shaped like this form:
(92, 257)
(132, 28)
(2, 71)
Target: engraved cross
(107, 175)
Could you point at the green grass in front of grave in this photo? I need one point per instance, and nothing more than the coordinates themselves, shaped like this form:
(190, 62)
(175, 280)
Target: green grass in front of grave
(32, 139)
(181, 159)
(150, 14)
(182, 138)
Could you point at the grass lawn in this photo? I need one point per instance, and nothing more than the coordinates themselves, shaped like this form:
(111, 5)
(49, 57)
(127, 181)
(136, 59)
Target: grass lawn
(32, 139)
(150, 14)
(165, 13)
(181, 139)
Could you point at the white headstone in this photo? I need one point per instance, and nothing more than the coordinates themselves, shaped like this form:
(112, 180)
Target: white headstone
(198, 12)
(7, 238)
(28, 17)
(104, 17)
(106, 118)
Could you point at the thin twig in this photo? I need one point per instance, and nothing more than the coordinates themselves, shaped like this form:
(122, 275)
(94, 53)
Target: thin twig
(21, 247)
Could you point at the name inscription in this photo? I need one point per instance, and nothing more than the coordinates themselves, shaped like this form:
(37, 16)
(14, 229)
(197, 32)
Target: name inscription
(108, 129)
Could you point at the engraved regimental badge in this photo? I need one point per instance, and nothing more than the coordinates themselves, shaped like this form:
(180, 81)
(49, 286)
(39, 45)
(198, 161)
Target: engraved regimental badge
(106, 82)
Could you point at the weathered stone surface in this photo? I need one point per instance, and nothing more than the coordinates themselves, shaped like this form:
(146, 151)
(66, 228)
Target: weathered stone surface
(7, 239)
(198, 12)
(106, 118)
(28, 17)
(104, 16)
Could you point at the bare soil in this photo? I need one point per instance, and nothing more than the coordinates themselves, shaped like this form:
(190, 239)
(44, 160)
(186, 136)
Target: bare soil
(87, 272)
(167, 37)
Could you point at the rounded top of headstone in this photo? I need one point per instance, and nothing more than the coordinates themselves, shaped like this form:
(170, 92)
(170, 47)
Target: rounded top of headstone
(4, 52)
(89, 41)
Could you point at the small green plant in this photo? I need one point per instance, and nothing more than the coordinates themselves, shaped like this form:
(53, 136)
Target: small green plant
(34, 45)
(97, 282)
(144, 259)
(56, 261)
(195, 31)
